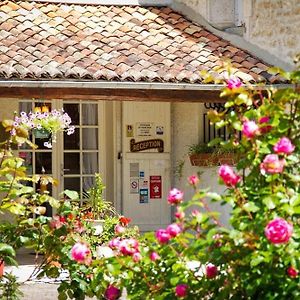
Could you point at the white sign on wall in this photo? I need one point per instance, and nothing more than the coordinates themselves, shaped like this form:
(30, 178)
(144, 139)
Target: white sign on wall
(144, 129)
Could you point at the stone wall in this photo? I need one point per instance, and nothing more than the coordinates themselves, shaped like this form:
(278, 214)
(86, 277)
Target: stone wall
(219, 13)
(274, 25)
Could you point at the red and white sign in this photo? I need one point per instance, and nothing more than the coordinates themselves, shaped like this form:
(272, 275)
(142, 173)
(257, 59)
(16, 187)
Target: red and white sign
(155, 187)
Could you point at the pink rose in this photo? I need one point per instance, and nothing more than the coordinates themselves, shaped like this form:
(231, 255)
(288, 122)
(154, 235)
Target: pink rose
(112, 293)
(272, 164)
(173, 229)
(179, 214)
(264, 119)
(284, 146)
(136, 256)
(193, 180)
(175, 196)
(228, 176)
(128, 246)
(233, 83)
(154, 256)
(250, 129)
(264, 128)
(292, 272)
(181, 290)
(81, 253)
(278, 231)
(211, 271)
(114, 243)
(119, 229)
(162, 236)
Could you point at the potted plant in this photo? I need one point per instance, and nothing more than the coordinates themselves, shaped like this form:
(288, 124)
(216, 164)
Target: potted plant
(97, 208)
(204, 155)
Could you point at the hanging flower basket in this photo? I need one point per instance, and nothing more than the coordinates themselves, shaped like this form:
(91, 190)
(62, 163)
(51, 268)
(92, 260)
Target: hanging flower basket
(41, 133)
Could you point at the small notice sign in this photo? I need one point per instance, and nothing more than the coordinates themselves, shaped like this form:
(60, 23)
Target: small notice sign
(144, 129)
(155, 187)
(134, 185)
(144, 195)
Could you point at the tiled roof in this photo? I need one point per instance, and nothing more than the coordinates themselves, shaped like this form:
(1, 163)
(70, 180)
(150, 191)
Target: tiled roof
(115, 43)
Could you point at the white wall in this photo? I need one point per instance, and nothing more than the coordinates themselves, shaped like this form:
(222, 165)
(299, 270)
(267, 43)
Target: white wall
(187, 130)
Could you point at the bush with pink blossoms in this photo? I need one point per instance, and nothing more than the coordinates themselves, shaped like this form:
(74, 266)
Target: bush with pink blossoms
(256, 256)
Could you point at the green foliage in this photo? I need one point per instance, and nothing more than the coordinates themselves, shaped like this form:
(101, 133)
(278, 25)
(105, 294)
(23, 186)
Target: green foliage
(9, 288)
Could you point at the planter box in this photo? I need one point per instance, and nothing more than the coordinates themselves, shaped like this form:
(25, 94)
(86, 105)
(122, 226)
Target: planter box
(213, 159)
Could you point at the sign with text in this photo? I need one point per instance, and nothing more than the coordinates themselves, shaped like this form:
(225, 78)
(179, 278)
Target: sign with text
(146, 145)
(144, 129)
(155, 187)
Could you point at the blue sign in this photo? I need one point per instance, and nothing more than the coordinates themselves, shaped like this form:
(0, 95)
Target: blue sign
(142, 174)
(144, 195)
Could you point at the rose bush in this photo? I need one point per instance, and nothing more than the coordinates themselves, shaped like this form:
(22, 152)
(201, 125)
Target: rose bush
(195, 257)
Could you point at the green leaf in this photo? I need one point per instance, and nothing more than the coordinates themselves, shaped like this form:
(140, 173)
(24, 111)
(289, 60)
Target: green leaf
(6, 249)
(73, 195)
(270, 202)
(256, 260)
(251, 207)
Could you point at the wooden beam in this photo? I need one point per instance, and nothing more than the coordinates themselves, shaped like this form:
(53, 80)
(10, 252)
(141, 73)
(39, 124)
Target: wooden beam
(110, 94)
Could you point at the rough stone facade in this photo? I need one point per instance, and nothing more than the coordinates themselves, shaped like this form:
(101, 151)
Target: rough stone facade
(275, 26)
(271, 25)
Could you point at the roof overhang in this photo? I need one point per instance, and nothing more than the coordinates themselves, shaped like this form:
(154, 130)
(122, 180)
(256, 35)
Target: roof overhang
(120, 91)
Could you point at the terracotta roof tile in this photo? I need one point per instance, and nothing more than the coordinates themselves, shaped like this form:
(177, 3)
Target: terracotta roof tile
(130, 43)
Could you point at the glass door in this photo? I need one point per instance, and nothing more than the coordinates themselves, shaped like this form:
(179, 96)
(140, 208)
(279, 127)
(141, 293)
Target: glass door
(81, 150)
(73, 159)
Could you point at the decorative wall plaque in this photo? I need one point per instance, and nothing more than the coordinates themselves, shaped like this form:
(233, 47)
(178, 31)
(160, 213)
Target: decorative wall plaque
(146, 145)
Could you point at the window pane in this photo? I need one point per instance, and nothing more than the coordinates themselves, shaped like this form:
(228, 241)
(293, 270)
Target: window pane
(43, 163)
(71, 163)
(89, 114)
(88, 183)
(73, 111)
(71, 142)
(72, 184)
(27, 156)
(90, 139)
(90, 163)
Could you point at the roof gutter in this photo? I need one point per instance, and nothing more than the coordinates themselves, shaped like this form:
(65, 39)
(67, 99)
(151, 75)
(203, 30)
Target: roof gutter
(123, 85)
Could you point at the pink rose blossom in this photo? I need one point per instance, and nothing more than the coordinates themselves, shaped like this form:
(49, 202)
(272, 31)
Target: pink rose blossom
(128, 246)
(193, 180)
(114, 243)
(272, 164)
(228, 176)
(173, 229)
(264, 128)
(250, 129)
(292, 272)
(81, 253)
(154, 256)
(162, 236)
(264, 119)
(112, 293)
(136, 256)
(284, 146)
(175, 196)
(119, 229)
(181, 290)
(179, 214)
(233, 83)
(211, 271)
(278, 231)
